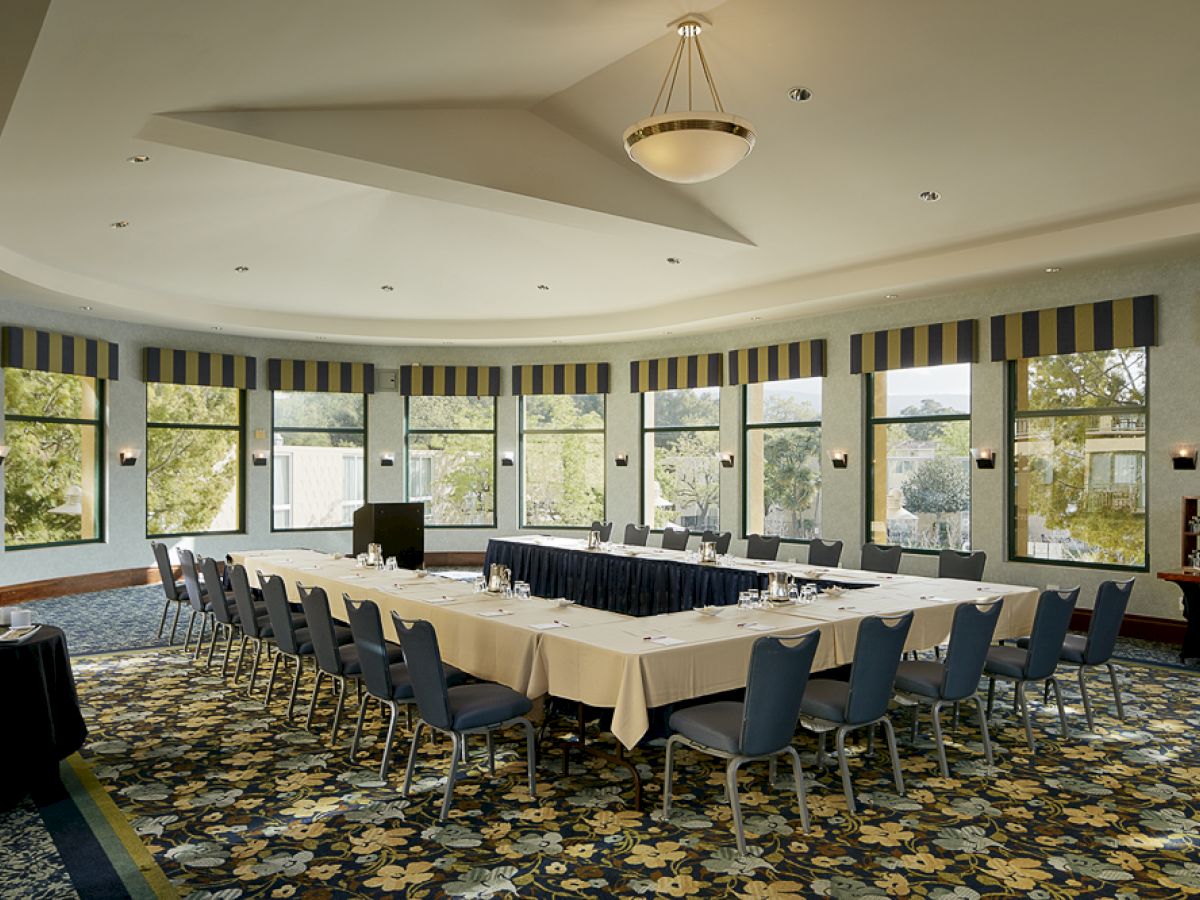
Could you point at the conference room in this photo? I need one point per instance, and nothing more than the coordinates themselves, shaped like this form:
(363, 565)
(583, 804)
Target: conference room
(571, 449)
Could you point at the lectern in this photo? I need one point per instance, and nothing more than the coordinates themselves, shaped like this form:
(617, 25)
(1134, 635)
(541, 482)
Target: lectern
(399, 529)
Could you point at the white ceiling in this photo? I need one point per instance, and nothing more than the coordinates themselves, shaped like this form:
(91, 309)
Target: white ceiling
(466, 152)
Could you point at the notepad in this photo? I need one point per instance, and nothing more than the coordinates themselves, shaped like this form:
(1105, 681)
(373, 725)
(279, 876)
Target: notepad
(546, 626)
(493, 613)
(664, 641)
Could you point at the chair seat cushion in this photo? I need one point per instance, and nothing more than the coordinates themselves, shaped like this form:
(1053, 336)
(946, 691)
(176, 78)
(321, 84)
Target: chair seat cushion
(922, 677)
(352, 665)
(479, 705)
(1007, 661)
(717, 725)
(825, 699)
(264, 624)
(304, 645)
(1073, 648)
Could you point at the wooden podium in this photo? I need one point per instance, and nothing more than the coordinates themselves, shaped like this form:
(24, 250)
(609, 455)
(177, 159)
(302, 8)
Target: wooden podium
(398, 528)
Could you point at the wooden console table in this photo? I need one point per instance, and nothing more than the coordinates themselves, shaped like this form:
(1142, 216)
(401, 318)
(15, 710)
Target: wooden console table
(1189, 583)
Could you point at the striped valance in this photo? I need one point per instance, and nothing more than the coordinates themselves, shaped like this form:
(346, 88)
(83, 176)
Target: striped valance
(320, 375)
(449, 381)
(203, 369)
(940, 344)
(777, 362)
(48, 351)
(563, 378)
(1107, 325)
(673, 372)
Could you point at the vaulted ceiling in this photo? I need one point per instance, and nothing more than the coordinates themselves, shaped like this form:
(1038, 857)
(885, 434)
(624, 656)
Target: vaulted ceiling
(466, 153)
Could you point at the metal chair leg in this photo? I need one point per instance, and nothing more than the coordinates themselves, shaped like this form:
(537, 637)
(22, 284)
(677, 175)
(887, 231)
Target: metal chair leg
(337, 710)
(672, 742)
(358, 728)
(847, 787)
(890, 734)
(991, 695)
(391, 734)
(174, 622)
(735, 803)
(1112, 674)
(295, 685)
(491, 752)
(204, 617)
(258, 645)
(312, 703)
(187, 639)
(1087, 702)
(212, 644)
(237, 669)
(162, 623)
(412, 756)
(449, 794)
(531, 751)
(1062, 713)
(271, 681)
(983, 729)
(936, 715)
(1019, 687)
(228, 650)
(916, 713)
(801, 791)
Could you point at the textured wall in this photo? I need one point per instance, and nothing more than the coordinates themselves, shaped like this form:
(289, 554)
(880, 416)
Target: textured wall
(1174, 418)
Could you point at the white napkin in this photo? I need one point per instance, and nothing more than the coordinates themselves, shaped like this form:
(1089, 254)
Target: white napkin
(493, 613)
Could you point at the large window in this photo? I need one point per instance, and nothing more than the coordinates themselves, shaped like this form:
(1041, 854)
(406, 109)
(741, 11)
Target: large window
(54, 471)
(1079, 458)
(318, 441)
(920, 438)
(452, 459)
(783, 458)
(681, 474)
(562, 459)
(193, 459)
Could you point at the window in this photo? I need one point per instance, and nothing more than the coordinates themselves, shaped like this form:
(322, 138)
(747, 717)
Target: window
(55, 466)
(562, 459)
(193, 459)
(451, 444)
(681, 474)
(1079, 458)
(919, 433)
(783, 458)
(318, 438)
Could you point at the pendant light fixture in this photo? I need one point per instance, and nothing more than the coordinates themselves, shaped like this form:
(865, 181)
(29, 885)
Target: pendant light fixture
(688, 146)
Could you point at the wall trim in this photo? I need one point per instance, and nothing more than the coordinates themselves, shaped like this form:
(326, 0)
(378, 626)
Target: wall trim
(1146, 628)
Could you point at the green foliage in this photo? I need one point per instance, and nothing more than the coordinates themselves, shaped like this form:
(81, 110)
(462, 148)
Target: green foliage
(464, 465)
(792, 474)
(927, 431)
(689, 477)
(564, 473)
(941, 486)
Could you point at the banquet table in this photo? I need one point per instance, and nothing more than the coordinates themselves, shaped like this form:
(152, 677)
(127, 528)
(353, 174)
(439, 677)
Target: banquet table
(625, 663)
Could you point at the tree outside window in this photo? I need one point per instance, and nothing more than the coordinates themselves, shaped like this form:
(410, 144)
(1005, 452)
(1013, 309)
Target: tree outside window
(919, 431)
(783, 458)
(54, 471)
(451, 455)
(562, 458)
(681, 473)
(1078, 458)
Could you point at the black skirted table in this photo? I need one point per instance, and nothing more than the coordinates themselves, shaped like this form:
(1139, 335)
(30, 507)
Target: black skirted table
(44, 724)
(646, 585)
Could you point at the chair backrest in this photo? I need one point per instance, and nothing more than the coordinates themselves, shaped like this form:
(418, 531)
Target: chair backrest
(877, 652)
(675, 538)
(878, 558)
(970, 636)
(162, 556)
(191, 581)
(1112, 598)
(824, 553)
(605, 529)
(1050, 624)
(636, 535)
(779, 667)
(320, 628)
(722, 540)
(214, 584)
(419, 642)
(762, 546)
(239, 583)
(367, 628)
(275, 596)
(962, 564)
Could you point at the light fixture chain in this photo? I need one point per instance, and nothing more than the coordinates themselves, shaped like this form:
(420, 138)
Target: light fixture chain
(712, 85)
(672, 69)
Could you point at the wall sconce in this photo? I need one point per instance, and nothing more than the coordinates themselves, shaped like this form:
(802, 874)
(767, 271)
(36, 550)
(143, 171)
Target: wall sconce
(507, 459)
(621, 459)
(1183, 457)
(260, 457)
(839, 458)
(726, 460)
(129, 456)
(985, 457)
(3, 453)
(387, 459)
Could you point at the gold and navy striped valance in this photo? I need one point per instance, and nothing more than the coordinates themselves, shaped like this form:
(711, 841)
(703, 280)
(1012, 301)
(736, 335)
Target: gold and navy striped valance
(563, 378)
(203, 369)
(777, 362)
(1107, 325)
(673, 372)
(48, 351)
(320, 375)
(940, 344)
(449, 381)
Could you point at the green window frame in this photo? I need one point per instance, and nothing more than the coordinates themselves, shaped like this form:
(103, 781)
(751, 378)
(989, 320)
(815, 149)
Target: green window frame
(811, 427)
(538, 432)
(424, 431)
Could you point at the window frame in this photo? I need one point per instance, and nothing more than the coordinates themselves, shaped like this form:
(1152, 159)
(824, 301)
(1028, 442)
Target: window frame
(869, 457)
(364, 431)
(642, 430)
(521, 478)
(1010, 498)
(493, 431)
(101, 425)
(241, 462)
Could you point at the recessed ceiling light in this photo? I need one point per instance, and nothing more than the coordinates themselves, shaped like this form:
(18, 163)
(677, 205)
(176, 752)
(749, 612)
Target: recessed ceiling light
(140, 158)
(891, 296)
(799, 94)
(674, 260)
(930, 196)
(543, 287)
(217, 328)
(86, 308)
(386, 287)
(241, 268)
(121, 223)
(1050, 270)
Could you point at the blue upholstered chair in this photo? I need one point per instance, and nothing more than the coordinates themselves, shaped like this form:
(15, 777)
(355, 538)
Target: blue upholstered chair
(636, 535)
(254, 621)
(957, 677)
(762, 546)
(878, 558)
(759, 728)
(197, 599)
(824, 553)
(675, 538)
(722, 539)
(843, 706)
(961, 564)
(457, 711)
(224, 611)
(174, 592)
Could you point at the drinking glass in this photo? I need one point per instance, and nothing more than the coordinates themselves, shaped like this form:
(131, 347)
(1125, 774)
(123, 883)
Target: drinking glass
(480, 584)
(746, 599)
(523, 592)
(793, 593)
(391, 564)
